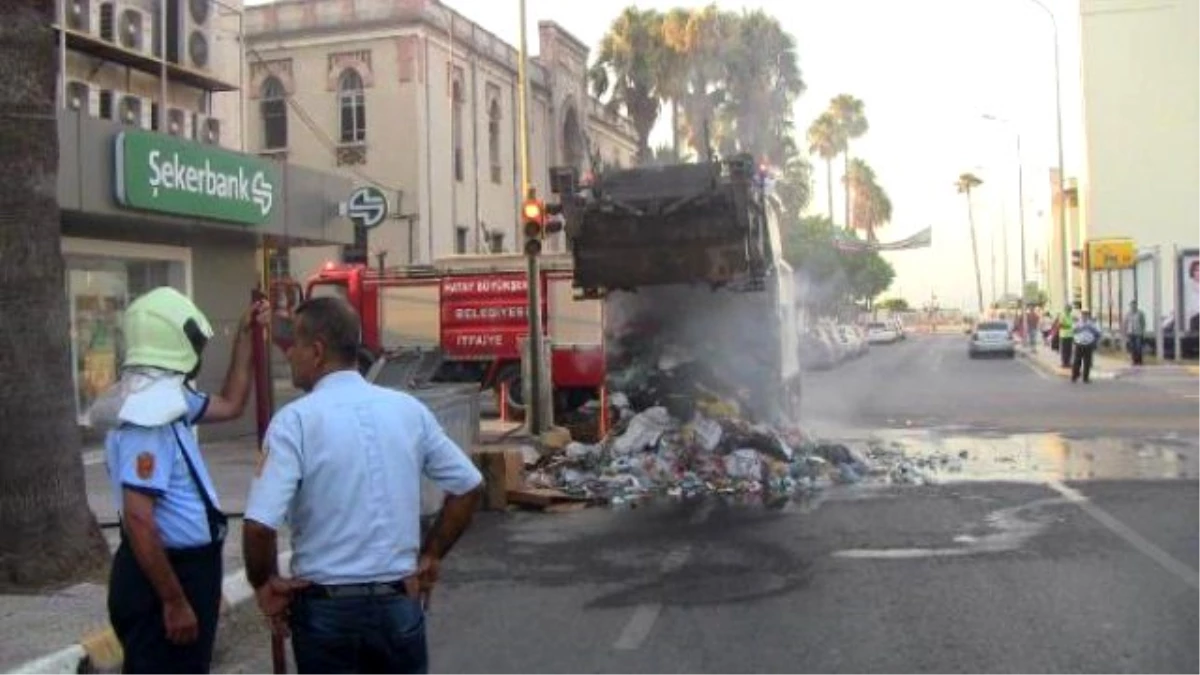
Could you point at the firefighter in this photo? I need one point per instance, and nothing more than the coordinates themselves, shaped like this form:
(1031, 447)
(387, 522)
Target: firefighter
(164, 588)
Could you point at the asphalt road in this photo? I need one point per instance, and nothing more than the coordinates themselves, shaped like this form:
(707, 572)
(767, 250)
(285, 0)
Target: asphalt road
(1067, 547)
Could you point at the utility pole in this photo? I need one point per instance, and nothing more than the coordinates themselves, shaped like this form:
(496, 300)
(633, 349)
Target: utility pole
(535, 415)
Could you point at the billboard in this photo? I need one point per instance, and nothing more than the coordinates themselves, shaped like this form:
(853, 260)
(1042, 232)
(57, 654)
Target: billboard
(1189, 289)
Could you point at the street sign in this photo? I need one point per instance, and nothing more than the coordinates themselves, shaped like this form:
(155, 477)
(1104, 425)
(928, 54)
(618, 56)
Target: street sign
(1111, 254)
(367, 207)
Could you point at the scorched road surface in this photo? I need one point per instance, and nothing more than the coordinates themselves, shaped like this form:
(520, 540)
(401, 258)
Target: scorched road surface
(1012, 564)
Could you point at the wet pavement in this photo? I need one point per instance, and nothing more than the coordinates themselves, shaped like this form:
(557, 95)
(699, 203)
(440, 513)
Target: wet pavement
(1028, 544)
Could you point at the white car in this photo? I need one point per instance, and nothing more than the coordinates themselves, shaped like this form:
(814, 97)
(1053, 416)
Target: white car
(879, 333)
(992, 337)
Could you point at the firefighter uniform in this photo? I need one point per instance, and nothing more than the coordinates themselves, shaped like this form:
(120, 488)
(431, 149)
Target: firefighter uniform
(151, 448)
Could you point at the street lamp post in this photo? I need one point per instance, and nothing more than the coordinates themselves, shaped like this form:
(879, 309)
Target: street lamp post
(1062, 176)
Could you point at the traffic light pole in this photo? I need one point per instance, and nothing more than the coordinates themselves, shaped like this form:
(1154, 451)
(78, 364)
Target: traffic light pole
(534, 414)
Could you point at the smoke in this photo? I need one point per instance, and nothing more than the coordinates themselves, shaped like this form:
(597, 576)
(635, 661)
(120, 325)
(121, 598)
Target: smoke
(667, 344)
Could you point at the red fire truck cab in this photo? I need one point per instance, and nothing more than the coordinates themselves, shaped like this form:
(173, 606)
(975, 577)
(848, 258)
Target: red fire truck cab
(474, 309)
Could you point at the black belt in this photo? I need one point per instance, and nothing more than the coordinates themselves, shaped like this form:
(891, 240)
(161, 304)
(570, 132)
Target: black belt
(377, 589)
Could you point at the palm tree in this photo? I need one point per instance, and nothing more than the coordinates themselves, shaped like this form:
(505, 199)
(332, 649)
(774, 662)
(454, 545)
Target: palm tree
(793, 189)
(48, 534)
(851, 117)
(967, 182)
(825, 142)
(632, 69)
(700, 39)
(871, 206)
(675, 69)
(762, 82)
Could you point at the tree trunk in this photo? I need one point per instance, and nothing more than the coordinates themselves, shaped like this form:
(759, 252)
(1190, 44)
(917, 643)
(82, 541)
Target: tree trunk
(829, 185)
(846, 183)
(48, 535)
(975, 255)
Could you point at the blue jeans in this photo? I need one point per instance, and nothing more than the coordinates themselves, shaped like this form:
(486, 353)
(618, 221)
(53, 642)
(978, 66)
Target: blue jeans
(359, 635)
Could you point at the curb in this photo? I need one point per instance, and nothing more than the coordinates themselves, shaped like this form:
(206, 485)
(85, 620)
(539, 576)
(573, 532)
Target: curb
(1053, 369)
(102, 650)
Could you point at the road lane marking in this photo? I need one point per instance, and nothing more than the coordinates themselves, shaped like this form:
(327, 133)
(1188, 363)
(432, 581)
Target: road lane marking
(645, 615)
(1185, 574)
(1036, 370)
(93, 457)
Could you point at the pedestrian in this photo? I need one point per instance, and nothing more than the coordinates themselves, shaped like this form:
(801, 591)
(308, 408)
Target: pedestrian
(359, 569)
(1066, 336)
(164, 587)
(1134, 326)
(1087, 336)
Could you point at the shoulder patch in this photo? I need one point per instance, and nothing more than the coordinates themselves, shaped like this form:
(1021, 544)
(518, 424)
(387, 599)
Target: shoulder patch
(145, 465)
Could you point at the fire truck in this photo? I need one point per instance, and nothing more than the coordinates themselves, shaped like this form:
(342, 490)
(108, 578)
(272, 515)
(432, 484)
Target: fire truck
(472, 309)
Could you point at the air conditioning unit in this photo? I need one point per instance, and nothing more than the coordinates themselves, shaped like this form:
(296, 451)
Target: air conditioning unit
(179, 123)
(206, 129)
(135, 30)
(79, 97)
(190, 33)
(106, 21)
(135, 111)
(83, 15)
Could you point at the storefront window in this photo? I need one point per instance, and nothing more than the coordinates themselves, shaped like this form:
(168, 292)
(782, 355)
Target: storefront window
(99, 288)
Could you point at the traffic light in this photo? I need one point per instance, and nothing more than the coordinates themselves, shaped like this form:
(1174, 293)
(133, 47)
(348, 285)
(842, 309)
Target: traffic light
(1076, 258)
(533, 223)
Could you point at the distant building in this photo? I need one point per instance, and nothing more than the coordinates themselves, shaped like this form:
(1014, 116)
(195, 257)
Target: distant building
(1141, 108)
(378, 91)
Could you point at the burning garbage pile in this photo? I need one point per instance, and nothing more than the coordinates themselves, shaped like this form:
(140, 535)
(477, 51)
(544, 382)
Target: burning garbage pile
(693, 414)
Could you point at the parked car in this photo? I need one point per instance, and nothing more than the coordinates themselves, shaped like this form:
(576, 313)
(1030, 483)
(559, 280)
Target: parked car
(992, 337)
(881, 333)
(853, 339)
(818, 350)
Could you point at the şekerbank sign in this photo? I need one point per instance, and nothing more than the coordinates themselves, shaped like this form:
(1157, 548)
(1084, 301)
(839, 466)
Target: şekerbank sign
(157, 172)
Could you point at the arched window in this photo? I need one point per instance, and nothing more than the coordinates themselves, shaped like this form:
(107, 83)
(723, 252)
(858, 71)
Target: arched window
(572, 139)
(494, 139)
(274, 114)
(353, 107)
(456, 127)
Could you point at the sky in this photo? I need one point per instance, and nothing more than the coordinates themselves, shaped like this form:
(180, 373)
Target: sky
(927, 70)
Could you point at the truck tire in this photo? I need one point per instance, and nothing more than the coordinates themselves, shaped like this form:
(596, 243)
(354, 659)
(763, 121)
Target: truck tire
(508, 383)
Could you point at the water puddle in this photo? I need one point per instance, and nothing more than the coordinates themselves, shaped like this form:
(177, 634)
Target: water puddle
(940, 456)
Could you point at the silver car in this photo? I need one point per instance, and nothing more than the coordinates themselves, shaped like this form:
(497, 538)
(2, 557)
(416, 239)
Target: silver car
(992, 337)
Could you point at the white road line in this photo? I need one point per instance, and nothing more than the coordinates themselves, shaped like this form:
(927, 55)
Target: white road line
(1185, 574)
(645, 615)
(93, 457)
(1036, 371)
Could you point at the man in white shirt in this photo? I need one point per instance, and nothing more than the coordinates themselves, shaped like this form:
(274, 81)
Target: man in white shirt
(342, 466)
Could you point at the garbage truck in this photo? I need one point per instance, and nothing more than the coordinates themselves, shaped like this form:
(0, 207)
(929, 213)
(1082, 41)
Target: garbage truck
(697, 298)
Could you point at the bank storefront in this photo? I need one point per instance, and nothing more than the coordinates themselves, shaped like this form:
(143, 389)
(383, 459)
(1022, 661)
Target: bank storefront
(142, 210)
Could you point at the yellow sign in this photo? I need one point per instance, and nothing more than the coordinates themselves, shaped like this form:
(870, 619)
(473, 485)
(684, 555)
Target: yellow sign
(1111, 254)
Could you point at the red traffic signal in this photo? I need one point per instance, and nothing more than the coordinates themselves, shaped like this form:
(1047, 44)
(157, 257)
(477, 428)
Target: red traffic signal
(533, 223)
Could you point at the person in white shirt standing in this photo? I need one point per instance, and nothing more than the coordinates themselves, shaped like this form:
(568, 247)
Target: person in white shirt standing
(342, 466)
(1087, 336)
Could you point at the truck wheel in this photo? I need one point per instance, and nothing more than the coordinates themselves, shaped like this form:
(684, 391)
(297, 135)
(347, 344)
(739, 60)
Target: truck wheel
(508, 383)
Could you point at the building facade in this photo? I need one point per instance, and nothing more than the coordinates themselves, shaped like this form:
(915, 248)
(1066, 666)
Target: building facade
(152, 187)
(419, 101)
(1141, 107)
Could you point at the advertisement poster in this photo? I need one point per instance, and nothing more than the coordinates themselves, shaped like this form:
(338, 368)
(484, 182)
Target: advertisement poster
(1189, 283)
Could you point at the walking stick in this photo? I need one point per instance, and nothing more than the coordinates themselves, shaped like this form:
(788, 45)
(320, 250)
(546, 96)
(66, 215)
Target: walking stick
(262, 414)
